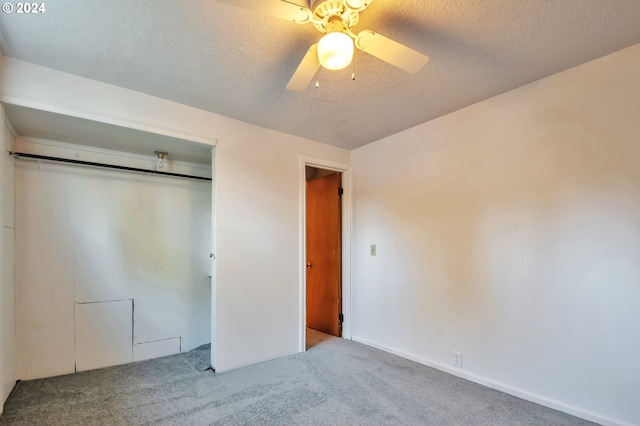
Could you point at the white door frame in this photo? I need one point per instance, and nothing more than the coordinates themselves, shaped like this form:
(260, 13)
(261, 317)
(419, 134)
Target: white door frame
(347, 220)
(214, 264)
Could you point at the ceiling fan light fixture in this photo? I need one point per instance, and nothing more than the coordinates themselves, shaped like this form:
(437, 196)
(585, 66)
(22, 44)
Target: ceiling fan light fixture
(335, 50)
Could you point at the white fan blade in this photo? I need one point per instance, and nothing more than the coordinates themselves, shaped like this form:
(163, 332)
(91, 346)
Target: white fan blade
(357, 5)
(390, 51)
(305, 71)
(276, 8)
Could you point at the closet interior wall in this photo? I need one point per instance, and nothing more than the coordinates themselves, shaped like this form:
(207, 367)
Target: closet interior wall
(111, 266)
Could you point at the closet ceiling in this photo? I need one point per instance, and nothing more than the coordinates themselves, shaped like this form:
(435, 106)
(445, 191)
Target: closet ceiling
(237, 62)
(45, 125)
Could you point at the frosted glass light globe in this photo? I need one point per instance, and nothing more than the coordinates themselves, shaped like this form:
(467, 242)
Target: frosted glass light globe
(335, 50)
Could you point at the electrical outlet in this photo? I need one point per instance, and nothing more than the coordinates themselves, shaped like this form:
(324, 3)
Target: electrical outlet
(457, 359)
(373, 249)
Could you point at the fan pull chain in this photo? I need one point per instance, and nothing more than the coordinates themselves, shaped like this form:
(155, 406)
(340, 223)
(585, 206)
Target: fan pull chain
(317, 68)
(353, 68)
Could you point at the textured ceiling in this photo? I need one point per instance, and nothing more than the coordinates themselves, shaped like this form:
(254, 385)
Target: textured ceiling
(236, 62)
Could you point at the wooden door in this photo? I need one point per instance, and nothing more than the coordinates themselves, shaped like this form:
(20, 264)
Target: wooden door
(324, 257)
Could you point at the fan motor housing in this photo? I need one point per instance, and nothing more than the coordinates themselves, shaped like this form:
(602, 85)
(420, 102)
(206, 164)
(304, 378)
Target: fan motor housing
(324, 10)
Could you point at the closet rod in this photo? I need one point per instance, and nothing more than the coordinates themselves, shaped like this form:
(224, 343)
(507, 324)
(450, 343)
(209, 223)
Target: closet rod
(107, 166)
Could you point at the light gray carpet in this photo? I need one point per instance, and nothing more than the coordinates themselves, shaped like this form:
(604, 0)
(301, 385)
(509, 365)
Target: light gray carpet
(336, 382)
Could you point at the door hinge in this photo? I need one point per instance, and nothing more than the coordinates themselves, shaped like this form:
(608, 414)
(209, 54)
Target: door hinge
(341, 317)
(340, 192)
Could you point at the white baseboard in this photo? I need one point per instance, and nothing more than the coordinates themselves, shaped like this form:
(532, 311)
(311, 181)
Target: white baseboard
(502, 387)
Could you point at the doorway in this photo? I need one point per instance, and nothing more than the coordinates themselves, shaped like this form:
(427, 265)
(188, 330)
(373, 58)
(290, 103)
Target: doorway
(310, 169)
(323, 252)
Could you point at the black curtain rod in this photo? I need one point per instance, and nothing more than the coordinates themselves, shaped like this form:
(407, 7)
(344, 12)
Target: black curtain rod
(106, 166)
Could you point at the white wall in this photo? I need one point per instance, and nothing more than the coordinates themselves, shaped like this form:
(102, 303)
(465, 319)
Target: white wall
(510, 231)
(258, 244)
(95, 235)
(8, 372)
(257, 209)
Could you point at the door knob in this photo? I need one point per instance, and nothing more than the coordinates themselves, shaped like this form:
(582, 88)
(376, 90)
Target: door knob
(308, 266)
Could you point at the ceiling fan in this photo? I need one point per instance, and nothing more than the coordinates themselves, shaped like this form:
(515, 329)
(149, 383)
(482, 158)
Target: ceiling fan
(334, 51)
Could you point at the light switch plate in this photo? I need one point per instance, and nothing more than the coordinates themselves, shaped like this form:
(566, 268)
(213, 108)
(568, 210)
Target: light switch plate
(373, 249)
